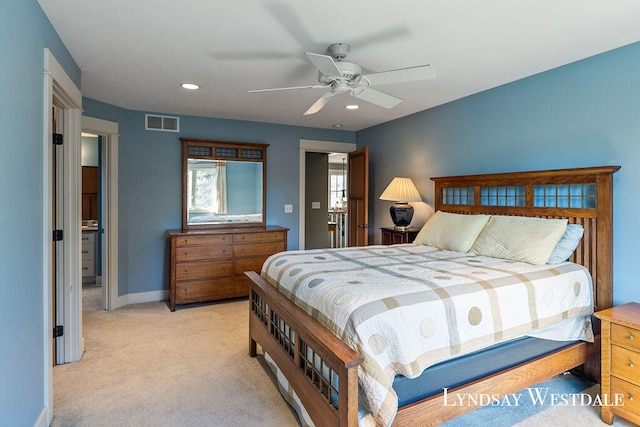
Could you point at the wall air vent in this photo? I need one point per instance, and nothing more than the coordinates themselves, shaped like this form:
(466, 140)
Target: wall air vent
(162, 123)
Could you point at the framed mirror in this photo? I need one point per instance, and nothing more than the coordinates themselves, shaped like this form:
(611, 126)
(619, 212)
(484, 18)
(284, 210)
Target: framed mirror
(223, 184)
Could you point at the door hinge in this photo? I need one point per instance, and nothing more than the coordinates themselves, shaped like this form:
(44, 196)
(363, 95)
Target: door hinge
(58, 331)
(57, 235)
(57, 139)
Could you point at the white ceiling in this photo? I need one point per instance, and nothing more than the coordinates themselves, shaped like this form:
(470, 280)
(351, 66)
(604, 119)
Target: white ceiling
(134, 54)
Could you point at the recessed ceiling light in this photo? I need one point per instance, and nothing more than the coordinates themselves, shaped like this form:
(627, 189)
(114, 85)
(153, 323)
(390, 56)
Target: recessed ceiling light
(190, 86)
(352, 107)
(336, 126)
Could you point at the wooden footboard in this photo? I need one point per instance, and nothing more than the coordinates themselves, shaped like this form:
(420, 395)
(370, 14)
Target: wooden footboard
(321, 369)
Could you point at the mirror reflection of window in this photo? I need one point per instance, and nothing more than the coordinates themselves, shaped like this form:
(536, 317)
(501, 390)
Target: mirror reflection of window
(206, 185)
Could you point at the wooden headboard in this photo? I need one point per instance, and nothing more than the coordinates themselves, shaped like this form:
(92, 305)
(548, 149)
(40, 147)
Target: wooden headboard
(583, 196)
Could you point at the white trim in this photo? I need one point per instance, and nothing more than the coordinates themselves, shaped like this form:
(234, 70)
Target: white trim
(110, 206)
(314, 146)
(57, 83)
(42, 419)
(140, 297)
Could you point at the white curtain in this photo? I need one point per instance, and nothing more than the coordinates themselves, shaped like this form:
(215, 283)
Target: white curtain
(221, 188)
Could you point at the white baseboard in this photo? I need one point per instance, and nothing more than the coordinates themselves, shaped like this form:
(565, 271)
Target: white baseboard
(43, 419)
(141, 297)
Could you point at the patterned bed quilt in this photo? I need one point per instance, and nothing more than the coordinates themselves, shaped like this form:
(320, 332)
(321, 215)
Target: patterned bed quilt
(407, 307)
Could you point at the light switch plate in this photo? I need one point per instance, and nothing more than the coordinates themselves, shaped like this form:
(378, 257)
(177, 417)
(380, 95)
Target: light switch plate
(288, 208)
(315, 205)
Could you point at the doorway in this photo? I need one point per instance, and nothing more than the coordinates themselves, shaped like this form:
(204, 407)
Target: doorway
(332, 152)
(326, 206)
(106, 228)
(91, 223)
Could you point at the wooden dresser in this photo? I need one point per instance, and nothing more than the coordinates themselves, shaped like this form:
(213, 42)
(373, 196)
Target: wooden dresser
(620, 391)
(209, 265)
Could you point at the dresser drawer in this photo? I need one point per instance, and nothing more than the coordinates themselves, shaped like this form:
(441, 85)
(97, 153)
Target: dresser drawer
(194, 253)
(258, 249)
(204, 290)
(203, 269)
(276, 236)
(248, 264)
(625, 364)
(241, 286)
(630, 393)
(625, 336)
(209, 239)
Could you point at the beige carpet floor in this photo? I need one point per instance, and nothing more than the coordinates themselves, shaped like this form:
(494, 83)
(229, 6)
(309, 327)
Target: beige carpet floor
(146, 366)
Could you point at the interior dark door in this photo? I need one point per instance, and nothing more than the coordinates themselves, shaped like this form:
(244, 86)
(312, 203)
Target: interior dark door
(358, 196)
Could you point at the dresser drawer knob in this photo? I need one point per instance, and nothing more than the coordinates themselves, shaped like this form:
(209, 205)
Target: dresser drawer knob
(629, 398)
(631, 364)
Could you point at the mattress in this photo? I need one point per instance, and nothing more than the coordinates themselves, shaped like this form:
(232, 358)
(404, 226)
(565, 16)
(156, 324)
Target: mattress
(461, 370)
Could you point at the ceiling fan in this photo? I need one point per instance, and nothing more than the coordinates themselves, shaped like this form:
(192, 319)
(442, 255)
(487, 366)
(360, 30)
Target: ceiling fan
(341, 77)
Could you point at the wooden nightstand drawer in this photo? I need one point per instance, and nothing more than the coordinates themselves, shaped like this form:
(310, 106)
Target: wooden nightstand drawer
(625, 336)
(625, 364)
(391, 236)
(620, 381)
(630, 393)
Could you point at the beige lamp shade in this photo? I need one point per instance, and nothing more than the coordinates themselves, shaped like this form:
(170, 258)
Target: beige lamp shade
(401, 190)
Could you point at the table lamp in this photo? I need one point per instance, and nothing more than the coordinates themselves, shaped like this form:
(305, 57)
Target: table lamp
(401, 191)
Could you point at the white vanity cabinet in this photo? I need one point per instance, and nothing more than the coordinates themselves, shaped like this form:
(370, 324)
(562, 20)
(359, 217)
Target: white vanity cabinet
(88, 256)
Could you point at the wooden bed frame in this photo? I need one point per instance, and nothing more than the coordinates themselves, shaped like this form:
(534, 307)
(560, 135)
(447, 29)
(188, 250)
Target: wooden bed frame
(295, 341)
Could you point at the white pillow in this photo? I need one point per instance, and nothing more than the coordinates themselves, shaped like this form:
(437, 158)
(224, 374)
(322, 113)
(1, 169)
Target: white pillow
(452, 232)
(520, 238)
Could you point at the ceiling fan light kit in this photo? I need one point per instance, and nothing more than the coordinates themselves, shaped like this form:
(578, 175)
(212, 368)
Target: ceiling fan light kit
(342, 77)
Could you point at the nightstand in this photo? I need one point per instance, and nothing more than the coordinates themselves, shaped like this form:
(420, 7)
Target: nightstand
(391, 236)
(620, 362)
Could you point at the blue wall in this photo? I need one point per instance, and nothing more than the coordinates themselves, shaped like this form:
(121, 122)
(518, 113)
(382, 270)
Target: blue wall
(150, 183)
(583, 114)
(24, 33)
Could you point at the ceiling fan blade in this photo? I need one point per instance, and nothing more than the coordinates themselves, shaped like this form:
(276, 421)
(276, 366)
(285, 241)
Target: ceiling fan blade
(422, 72)
(375, 97)
(319, 104)
(291, 21)
(288, 88)
(325, 64)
